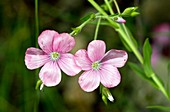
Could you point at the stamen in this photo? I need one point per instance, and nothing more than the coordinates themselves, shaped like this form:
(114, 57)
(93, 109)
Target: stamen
(54, 55)
(96, 65)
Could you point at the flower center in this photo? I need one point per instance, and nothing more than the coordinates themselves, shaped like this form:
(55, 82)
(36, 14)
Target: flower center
(95, 65)
(54, 55)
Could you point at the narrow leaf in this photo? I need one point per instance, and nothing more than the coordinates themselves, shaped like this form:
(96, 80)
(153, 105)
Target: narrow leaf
(147, 52)
(167, 109)
(86, 17)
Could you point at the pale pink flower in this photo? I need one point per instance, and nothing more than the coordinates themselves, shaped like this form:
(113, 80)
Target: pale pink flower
(98, 66)
(52, 57)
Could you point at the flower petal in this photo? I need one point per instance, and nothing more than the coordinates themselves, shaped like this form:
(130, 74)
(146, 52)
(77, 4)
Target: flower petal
(96, 50)
(35, 58)
(45, 40)
(83, 60)
(114, 57)
(68, 65)
(63, 43)
(89, 80)
(109, 76)
(50, 74)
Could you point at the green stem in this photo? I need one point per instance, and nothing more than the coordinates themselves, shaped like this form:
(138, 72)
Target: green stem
(36, 22)
(36, 103)
(109, 7)
(114, 24)
(97, 29)
(125, 29)
(117, 6)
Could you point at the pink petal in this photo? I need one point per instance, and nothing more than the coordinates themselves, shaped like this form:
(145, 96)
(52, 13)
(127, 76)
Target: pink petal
(45, 40)
(116, 58)
(35, 58)
(96, 50)
(63, 43)
(50, 74)
(68, 65)
(109, 76)
(83, 60)
(89, 80)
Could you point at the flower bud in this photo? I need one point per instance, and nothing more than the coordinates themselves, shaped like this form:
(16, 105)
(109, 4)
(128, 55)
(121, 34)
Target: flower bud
(110, 97)
(106, 95)
(120, 20)
(41, 87)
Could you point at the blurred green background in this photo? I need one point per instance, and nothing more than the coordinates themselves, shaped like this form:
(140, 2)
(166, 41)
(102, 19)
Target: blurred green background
(17, 33)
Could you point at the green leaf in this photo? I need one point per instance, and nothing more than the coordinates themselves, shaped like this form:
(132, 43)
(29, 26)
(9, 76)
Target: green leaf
(139, 71)
(167, 109)
(147, 52)
(88, 16)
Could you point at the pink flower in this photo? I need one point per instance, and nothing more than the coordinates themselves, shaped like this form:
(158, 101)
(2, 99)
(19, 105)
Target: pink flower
(98, 66)
(52, 57)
